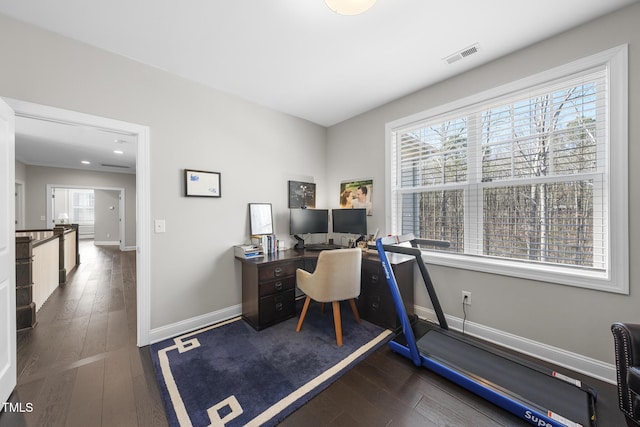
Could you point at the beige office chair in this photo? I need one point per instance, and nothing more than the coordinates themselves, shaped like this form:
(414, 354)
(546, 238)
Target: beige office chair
(336, 278)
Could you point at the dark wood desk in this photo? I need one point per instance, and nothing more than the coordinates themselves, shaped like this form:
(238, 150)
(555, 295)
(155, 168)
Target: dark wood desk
(268, 287)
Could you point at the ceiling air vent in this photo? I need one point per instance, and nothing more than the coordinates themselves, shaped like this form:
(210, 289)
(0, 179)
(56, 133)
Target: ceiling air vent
(462, 53)
(114, 166)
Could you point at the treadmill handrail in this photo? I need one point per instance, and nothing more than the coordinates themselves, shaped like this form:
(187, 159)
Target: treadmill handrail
(397, 300)
(415, 242)
(423, 270)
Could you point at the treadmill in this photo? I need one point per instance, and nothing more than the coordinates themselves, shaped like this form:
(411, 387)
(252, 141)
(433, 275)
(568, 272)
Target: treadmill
(532, 392)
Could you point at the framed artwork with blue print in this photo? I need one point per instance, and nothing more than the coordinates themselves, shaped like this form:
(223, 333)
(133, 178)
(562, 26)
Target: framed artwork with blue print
(202, 183)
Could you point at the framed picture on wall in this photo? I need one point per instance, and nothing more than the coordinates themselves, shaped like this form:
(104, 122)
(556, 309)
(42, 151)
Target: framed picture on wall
(357, 194)
(302, 195)
(202, 183)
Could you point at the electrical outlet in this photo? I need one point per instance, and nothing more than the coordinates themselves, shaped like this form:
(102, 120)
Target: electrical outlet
(466, 297)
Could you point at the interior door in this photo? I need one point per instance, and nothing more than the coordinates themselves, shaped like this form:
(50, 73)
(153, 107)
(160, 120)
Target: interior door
(7, 254)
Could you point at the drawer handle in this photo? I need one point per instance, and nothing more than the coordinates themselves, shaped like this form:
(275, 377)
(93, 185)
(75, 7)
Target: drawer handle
(278, 286)
(277, 271)
(279, 306)
(374, 278)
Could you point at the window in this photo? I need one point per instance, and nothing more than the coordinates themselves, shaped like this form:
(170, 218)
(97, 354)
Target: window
(82, 206)
(528, 180)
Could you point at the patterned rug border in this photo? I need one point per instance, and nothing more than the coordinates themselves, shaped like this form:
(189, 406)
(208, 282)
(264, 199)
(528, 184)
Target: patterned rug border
(186, 342)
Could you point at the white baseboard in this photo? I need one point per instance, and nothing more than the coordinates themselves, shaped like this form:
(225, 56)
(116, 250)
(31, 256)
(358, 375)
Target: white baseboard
(594, 368)
(188, 325)
(106, 243)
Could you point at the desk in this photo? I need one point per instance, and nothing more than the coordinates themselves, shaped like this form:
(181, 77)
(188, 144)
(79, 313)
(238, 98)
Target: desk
(269, 282)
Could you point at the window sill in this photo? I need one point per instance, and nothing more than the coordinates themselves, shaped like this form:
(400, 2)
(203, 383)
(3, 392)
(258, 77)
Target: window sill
(589, 279)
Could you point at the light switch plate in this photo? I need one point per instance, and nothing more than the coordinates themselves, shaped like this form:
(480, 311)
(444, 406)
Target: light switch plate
(160, 226)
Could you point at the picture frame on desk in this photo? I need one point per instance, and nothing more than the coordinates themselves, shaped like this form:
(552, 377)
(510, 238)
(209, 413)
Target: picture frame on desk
(260, 219)
(198, 183)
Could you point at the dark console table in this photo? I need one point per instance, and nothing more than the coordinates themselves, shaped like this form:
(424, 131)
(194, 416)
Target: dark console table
(268, 287)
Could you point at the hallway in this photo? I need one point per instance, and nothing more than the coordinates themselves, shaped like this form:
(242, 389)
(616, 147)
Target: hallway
(80, 365)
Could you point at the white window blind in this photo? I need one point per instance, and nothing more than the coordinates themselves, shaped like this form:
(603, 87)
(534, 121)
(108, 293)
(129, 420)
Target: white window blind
(519, 179)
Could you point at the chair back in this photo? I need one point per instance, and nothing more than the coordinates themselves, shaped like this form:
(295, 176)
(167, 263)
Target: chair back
(337, 275)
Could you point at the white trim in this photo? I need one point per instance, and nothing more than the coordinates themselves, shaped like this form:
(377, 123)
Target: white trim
(576, 362)
(616, 277)
(179, 328)
(106, 243)
(143, 198)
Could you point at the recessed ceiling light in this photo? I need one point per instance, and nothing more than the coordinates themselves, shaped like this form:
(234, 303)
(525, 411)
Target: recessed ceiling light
(118, 151)
(85, 162)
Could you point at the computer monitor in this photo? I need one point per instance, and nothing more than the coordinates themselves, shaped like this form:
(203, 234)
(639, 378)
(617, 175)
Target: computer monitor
(352, 221)
(306, 221)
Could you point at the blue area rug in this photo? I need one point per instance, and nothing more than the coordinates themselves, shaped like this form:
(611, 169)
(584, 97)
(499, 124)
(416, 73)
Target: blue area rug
(229, 374)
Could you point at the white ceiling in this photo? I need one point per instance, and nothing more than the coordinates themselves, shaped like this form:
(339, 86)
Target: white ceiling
(41, 142)
(300, 58)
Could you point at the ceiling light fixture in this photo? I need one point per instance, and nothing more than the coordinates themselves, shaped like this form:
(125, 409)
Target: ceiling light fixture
(350, 7)
(118, 151)
(85, 162)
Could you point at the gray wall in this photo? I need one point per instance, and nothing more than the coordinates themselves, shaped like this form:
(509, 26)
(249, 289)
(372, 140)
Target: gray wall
(574, 319)
(256, 150)
(107, 215)
(21, 171)
(36, 188)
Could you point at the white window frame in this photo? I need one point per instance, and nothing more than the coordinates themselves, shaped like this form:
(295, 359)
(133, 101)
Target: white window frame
(615, 277)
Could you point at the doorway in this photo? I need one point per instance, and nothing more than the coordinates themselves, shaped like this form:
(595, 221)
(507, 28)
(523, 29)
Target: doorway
(99, 212)
(143, 201)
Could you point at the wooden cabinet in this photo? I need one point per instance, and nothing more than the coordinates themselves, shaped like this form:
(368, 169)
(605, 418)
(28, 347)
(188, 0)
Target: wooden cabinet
(375, 303)
(268, 292)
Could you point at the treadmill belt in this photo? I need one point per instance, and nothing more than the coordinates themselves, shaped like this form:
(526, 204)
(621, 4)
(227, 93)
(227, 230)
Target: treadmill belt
(520, 382)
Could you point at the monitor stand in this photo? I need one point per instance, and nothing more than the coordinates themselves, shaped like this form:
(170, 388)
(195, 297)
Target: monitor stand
(300, 243)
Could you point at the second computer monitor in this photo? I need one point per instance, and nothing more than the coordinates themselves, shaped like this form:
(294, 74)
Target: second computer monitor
(351, 221)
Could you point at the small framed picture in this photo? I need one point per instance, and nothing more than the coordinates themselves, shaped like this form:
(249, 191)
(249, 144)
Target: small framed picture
(201, 183)
(302, 194)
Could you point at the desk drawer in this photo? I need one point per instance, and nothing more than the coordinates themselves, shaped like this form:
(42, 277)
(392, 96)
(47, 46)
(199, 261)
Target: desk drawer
(375, 308)
(373, 274)
(277, 306)
(275, 271)
(279, 285)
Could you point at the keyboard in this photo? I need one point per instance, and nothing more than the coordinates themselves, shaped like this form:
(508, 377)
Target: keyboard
(321, 247)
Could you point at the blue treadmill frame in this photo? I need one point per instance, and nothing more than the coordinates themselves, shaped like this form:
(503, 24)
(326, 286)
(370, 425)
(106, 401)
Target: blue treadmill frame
(411, 351)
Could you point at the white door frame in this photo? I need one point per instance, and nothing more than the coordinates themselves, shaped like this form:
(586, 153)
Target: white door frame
(121, 213)
(143, 197)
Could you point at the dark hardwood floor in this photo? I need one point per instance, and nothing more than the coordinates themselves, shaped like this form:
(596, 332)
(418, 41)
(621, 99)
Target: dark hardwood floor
(80, 367)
